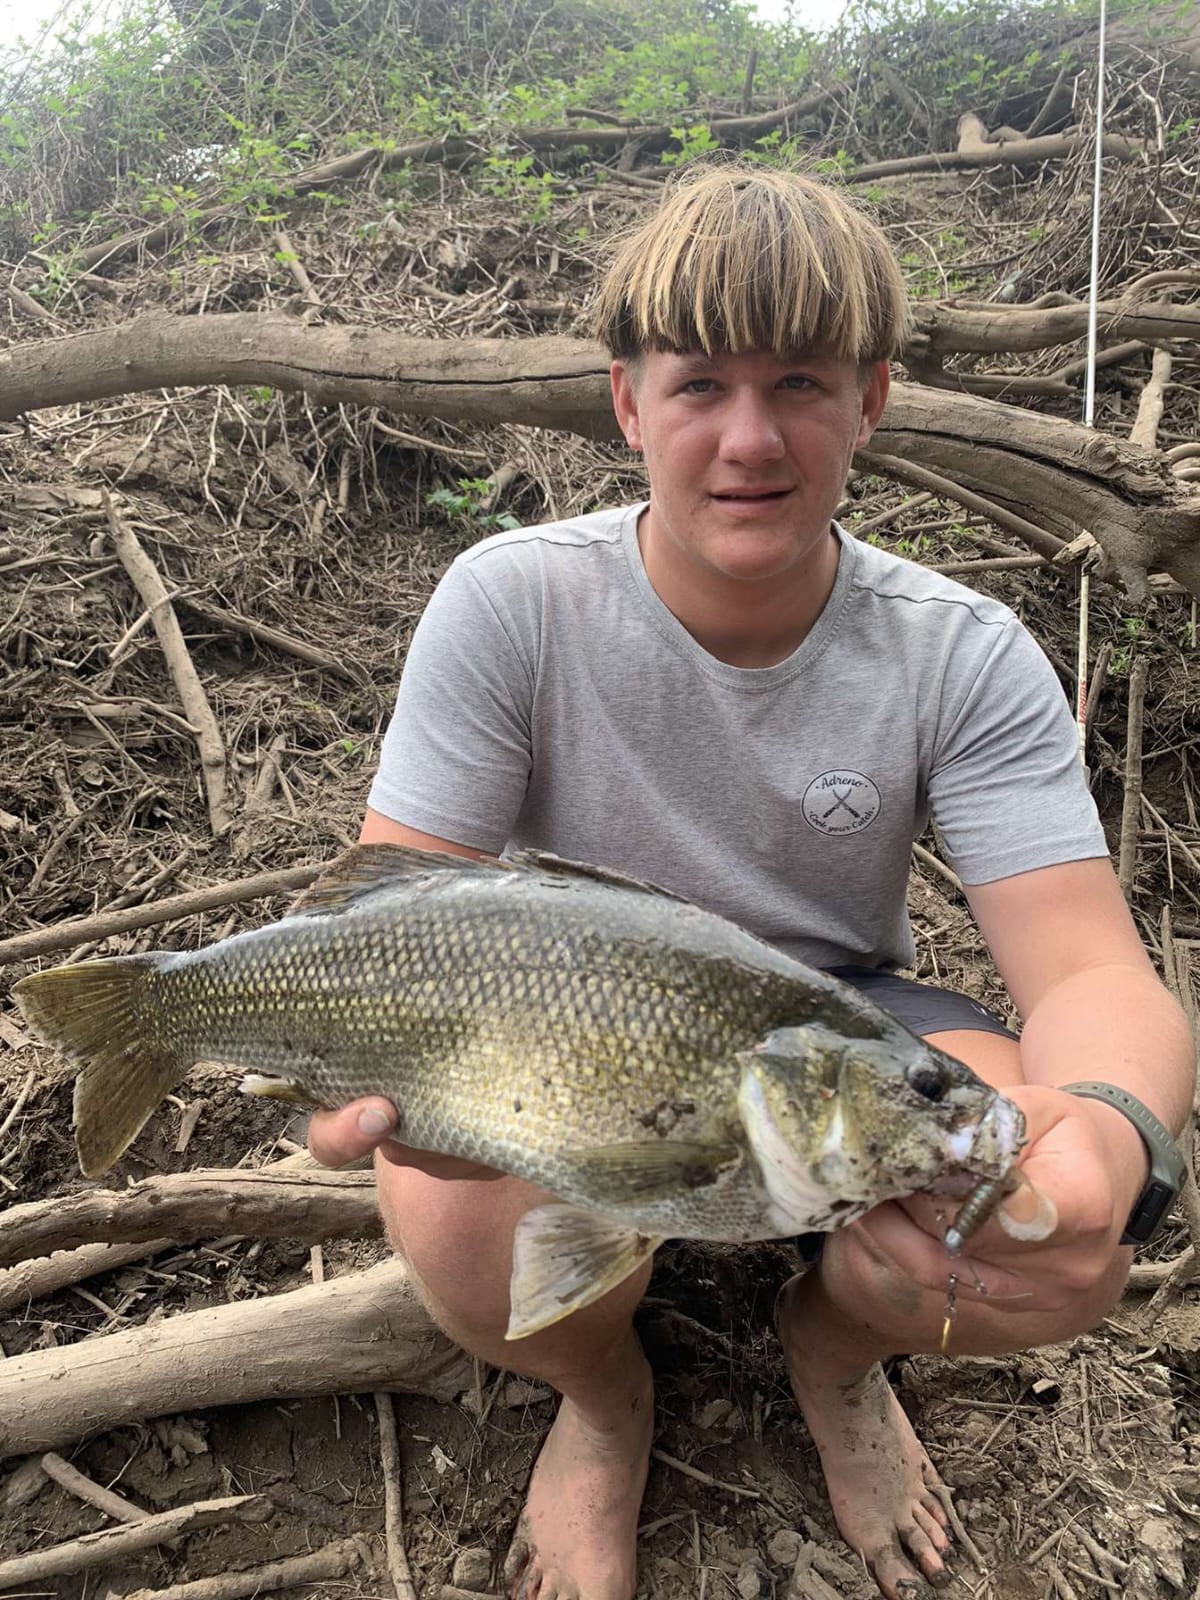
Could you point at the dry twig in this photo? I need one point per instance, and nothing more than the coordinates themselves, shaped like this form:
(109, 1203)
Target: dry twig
(118, 1544)
(81, 930)
(1131, 807)
(393, 1490)
(152, 590)
(334, 1561)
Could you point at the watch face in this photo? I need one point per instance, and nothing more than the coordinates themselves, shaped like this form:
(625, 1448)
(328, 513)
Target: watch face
(1153, 1204)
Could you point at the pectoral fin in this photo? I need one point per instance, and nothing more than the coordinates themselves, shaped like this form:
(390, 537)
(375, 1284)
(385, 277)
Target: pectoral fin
(656, 1168)
(259, 1084)
(564, 1258)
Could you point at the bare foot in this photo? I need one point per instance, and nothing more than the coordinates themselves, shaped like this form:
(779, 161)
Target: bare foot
(577, 1537)
(878, 1475)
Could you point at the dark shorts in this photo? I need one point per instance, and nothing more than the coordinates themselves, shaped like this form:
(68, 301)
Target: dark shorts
(922, 1009)
(919, 1006)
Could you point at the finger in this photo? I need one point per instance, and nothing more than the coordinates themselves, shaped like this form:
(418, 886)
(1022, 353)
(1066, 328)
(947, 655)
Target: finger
(889, 1233)
(1027, 1212)
(337, 1137)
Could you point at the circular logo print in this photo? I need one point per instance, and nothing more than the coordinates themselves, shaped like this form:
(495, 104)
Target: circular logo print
(841, 802)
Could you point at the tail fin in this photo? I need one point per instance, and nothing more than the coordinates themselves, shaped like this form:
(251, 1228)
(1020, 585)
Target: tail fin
(99, 1014)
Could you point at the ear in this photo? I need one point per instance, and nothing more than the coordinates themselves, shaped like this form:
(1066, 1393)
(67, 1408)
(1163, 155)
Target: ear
(874, 398)
(625, 404)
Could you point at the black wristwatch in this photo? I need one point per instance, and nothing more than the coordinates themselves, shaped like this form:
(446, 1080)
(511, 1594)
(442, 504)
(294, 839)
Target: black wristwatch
(1166, 1164)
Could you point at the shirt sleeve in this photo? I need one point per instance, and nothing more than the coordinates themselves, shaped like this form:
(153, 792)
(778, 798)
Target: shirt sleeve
(457, 753)
(1007, 789)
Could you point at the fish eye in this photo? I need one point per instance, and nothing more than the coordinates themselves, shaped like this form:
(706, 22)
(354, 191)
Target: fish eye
(928, 1080)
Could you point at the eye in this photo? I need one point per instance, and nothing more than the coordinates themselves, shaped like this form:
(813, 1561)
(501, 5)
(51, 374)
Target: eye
(797, 380)
(928, 1080)
(697, 386)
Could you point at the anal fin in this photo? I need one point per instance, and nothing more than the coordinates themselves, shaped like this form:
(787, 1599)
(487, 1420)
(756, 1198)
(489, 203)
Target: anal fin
(565, 1258)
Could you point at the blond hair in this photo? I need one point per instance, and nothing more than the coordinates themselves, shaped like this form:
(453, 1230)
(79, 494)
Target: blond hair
(741, 258)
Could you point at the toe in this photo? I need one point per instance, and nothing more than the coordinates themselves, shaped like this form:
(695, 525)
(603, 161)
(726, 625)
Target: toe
(934, 1507)
(921, 1547)
(516, 1566)
(529, 1586)
(933, 1527)
(895, 1576)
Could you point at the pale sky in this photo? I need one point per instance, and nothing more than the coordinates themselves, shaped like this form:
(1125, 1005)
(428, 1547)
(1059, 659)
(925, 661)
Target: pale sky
(28, 17)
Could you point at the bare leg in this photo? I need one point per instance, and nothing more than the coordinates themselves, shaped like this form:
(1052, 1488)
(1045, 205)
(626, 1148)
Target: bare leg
(837, 1323)
(577, 1537)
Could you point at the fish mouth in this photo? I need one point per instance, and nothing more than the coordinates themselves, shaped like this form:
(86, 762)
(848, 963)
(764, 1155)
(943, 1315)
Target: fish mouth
(989, 1148)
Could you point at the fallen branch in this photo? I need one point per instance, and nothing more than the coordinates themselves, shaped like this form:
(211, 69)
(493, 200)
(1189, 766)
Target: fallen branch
(1007, 153)
(366, 1331)
(84, 930)
(1144, 432)
(182, 1207)
(393, 1498)
(334, 1561)
(1142, 516)
(1131, 805)
(944, 328)
(46, 1275)
(1044, 544)
(81, 1486)
(145, 579)
(263, 633)
(1177, 1273)
(117, 1544)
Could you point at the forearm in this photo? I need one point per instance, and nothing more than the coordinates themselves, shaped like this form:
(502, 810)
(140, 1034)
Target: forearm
(1115, 1023)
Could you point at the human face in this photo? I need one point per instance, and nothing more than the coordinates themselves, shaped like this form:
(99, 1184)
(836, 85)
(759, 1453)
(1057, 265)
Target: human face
(747, 455)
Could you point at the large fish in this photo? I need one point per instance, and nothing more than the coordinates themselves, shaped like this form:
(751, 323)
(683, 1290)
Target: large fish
(656, 1068)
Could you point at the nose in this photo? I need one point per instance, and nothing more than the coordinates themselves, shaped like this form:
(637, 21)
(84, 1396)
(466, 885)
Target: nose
(750, 433)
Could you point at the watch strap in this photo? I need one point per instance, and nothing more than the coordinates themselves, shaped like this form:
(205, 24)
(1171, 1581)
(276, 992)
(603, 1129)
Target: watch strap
(1166, 1164)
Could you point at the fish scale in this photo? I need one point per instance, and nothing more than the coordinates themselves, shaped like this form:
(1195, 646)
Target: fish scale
(647, 1062)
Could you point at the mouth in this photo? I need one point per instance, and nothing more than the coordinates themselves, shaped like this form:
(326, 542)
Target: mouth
(746, 497)
(988, 1149)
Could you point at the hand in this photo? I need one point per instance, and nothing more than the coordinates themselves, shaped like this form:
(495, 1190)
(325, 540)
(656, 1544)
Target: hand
(338, 1137)
(1083, 1163)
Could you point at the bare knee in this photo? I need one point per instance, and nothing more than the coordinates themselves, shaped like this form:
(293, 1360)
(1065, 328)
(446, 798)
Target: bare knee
(457, 1237)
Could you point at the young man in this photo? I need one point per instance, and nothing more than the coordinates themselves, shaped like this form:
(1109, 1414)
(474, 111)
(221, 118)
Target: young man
(721, 692)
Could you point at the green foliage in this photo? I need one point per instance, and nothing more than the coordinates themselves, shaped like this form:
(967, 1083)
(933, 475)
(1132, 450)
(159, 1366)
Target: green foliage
(692, 143)
(169, 108)
(519, 180)
(463, 508)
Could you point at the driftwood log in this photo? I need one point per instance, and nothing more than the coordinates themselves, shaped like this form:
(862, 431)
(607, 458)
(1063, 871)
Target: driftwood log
(366, 1331)
(1062, 476)
(293, 1203)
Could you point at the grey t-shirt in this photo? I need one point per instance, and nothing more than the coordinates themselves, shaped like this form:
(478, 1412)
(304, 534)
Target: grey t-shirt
(550, 700)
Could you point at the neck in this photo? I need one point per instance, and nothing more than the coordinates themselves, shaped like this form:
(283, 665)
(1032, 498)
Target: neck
(745, 623)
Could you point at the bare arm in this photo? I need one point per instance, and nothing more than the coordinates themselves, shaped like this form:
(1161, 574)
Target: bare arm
(1094, 1008)
(337, 1137)
(1093, 1005)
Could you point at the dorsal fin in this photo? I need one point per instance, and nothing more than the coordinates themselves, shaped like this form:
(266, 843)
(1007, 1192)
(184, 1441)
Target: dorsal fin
(366, 868)
(560, 867)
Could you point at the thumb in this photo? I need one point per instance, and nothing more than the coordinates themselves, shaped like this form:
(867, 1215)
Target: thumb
(336, 1138)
